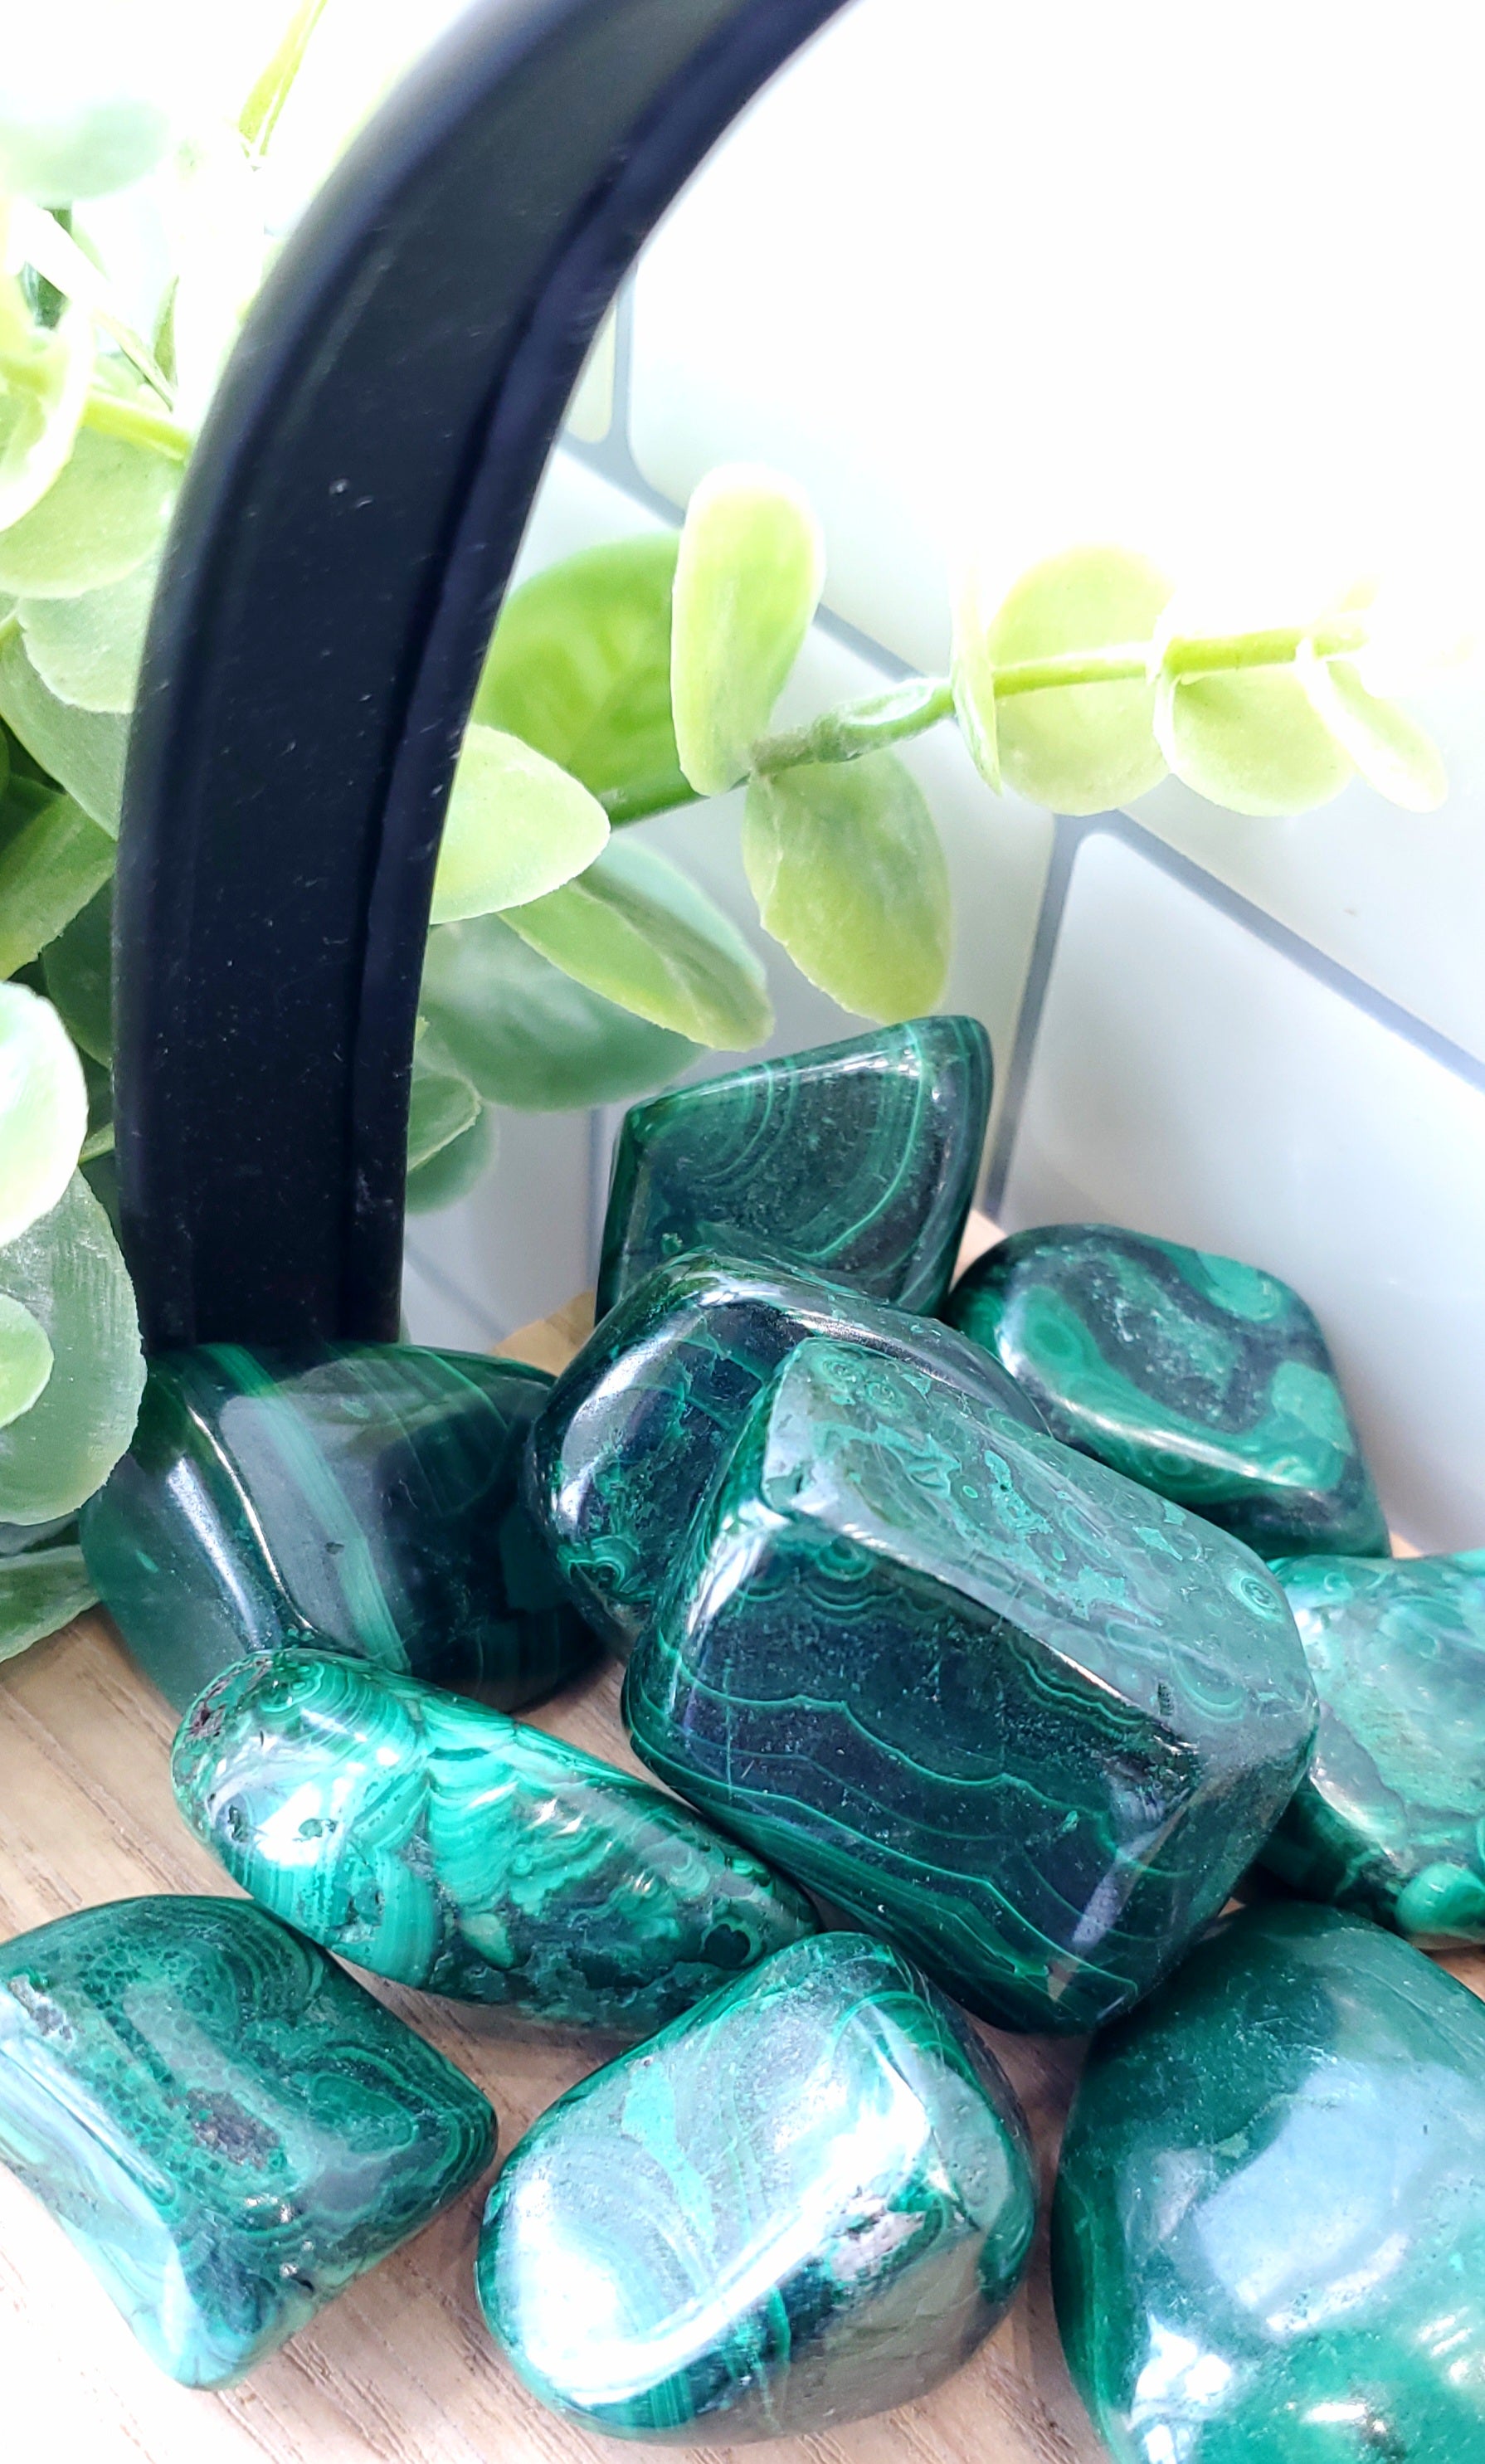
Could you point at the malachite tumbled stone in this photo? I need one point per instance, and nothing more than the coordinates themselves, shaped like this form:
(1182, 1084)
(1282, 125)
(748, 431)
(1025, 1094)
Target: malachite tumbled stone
(628, 1445)
(989, 1698)
(226, 2124)
(1269, 2233)
(1205, 1379)
(355, 1497)
(440, 1844)
(1391, 1817)
(807, 2201)
(855, 1161)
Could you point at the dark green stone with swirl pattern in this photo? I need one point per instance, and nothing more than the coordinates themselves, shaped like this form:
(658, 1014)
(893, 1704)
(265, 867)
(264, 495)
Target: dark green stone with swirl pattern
(627, 1447)
(855, 1161)
(1389, 1819)
(998, 1702)
(1204, 1378)
(807, 2201)
(442, 1845)
(226, 2124)
(1268, 2240)
(355, 1497)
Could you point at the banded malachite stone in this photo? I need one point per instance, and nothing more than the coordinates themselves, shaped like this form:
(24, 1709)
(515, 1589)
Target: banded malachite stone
(855, 1161)
(808, 2200)
(355, 1497)
(627, 1447)
(439, 1845)
(1391, 1817)
(1205, 1379)
(998, 1702)
(1269, 2233)
(227, 2124)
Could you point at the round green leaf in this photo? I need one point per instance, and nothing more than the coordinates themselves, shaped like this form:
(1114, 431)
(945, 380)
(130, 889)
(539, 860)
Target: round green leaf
(634, 929)
(530, 1038)
(40, 1592)
(444, 1104)
(847, 866)
(579, 668)
(104, 516)
(44, 380)
(454, 1171)
(77, 118)
(1390, 750)
(82, 749)
(78, 971)
(517, 826)
(87, 650)
(25, 1360)
(43, 1109)
(1076, 748)
(1250, 739)
(748, 580)
(68, 1271)
(52, 861)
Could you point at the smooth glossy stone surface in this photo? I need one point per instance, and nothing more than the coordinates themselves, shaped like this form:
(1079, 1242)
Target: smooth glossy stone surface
(1391, 1817)
(807, 2201)
(855, 1161)
(1269, 2233)
(628, 1445)
(1205, 1379)
(440, 1844)
(357, 1497)
(989, 1698)
(227, 2124)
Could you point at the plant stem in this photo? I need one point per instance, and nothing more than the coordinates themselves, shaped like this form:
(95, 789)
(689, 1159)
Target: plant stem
(860, 726)
(260, 112)
(110, 414)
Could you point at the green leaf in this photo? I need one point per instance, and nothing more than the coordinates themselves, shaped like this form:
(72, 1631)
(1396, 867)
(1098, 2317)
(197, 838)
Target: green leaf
(40, 1592)
(634, 929)
(25, 1360)
(1076, 748)
(444, 1104)
(51, 866)
(83, 749)
(1250, 741)
(43, 1110)
(78, 971)
(87, 650)
(579, 668)
(847, 866)
(68, 1271)
(67, 128)
(517, 826)
(748, 580)
(452, 1173)
(530, 1038)
(102, 518)
(1391, 751)
(44, 380)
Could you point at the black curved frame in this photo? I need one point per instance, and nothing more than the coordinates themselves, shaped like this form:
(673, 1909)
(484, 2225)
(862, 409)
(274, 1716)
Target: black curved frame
(338, 560)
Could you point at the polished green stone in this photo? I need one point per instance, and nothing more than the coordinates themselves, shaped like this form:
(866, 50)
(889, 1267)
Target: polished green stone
(1390, 1816)
(995, 1700)
(1269, 2231)
(227, 2124)
(808, 2200)
(627, 1447)
(855, 1161)
(355, 1497)
(1205, 1379)
(440, 1844)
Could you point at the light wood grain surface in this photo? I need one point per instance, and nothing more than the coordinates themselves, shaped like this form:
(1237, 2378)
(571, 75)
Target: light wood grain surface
(398, 2370)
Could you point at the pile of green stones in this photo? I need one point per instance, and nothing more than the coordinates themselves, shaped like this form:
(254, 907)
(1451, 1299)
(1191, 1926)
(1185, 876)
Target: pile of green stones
(1005, 1630)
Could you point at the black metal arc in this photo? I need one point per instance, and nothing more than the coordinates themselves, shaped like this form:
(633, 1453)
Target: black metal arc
(342, 543)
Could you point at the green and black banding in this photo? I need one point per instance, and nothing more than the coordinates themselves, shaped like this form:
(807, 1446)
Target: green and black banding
(1202, 1377)
(988, 1697)
(439, 1844)
(226, 2126)
(361, 1498)
(807, 2201)
(855, 1161)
